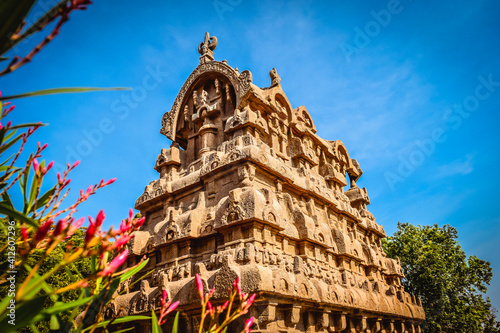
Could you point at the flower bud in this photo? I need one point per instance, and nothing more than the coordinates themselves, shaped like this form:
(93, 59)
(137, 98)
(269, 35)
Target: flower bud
(199, 286)
(35, 165)
(111, 181)
(115, 263)
(248, 324)
(100, 218)
(42, 230)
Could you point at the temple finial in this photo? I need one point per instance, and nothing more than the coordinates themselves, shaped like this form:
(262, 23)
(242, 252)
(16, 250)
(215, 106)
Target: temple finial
(206, 48)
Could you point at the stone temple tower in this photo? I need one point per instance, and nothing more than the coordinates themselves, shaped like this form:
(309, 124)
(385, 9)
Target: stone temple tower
(249, 189)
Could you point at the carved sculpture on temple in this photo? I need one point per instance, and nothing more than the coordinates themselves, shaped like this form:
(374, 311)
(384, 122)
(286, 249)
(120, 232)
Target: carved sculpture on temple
(249, 189)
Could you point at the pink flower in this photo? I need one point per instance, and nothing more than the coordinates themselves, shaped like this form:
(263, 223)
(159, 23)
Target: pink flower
(248, 324)
(111, 181)
(78, 223)
(124, 226)
(89, 234)
(24, 233)
(163, 312)
(122, 241)
(115, 263)
(42, 230)
(164, 297)
(249, 302)
(172, 307)
(236, 285)
(211, 309)
(100, 218)
(48, 167)
(140, 222)
(199, 286)
(60, 226)
(35, 165)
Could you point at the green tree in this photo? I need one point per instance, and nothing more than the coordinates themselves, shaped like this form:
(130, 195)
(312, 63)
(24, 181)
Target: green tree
(450, 284)
(81, 268)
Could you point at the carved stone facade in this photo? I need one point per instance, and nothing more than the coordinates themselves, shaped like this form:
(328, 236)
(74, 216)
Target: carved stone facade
(247, 188)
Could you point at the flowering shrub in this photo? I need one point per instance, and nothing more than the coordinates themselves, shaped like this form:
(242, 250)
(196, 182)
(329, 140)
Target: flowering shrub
(227, 311)
(40, 227)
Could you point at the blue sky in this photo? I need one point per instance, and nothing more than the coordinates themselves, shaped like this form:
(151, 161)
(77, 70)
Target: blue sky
(411, 87)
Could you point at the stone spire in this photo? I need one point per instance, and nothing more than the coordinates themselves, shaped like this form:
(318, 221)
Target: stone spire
(206, 49)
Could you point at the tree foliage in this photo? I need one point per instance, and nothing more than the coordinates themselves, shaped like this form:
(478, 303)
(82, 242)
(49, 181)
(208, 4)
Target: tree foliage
(81, 268)
(450, 284)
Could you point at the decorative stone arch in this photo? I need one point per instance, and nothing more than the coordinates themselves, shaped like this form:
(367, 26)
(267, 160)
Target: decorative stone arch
(283, 100)
(241, 83)
(303, 120)
(172, 232)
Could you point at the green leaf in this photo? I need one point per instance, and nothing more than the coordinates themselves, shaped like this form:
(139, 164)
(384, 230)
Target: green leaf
(3, 130)
(32, 312)
(7, 159)
(12, 15)
(93, 264)
(45, 285)
(120, 320)
(140, 279)
(59, 91)
(33, 190)
(72, 276)
(5, 167)
(13, 214)
(176, 323)
(54, 323)
(42, 201)
(99, 302)
(26, 125)
(6, 199)
(23, 182)
(125, 330)
(38, 282)
(9, 144)
(34, 329)
(25, 314)
(133, 271)
(61, 307)
(4, 303)
(39, 24)
(155, 328)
